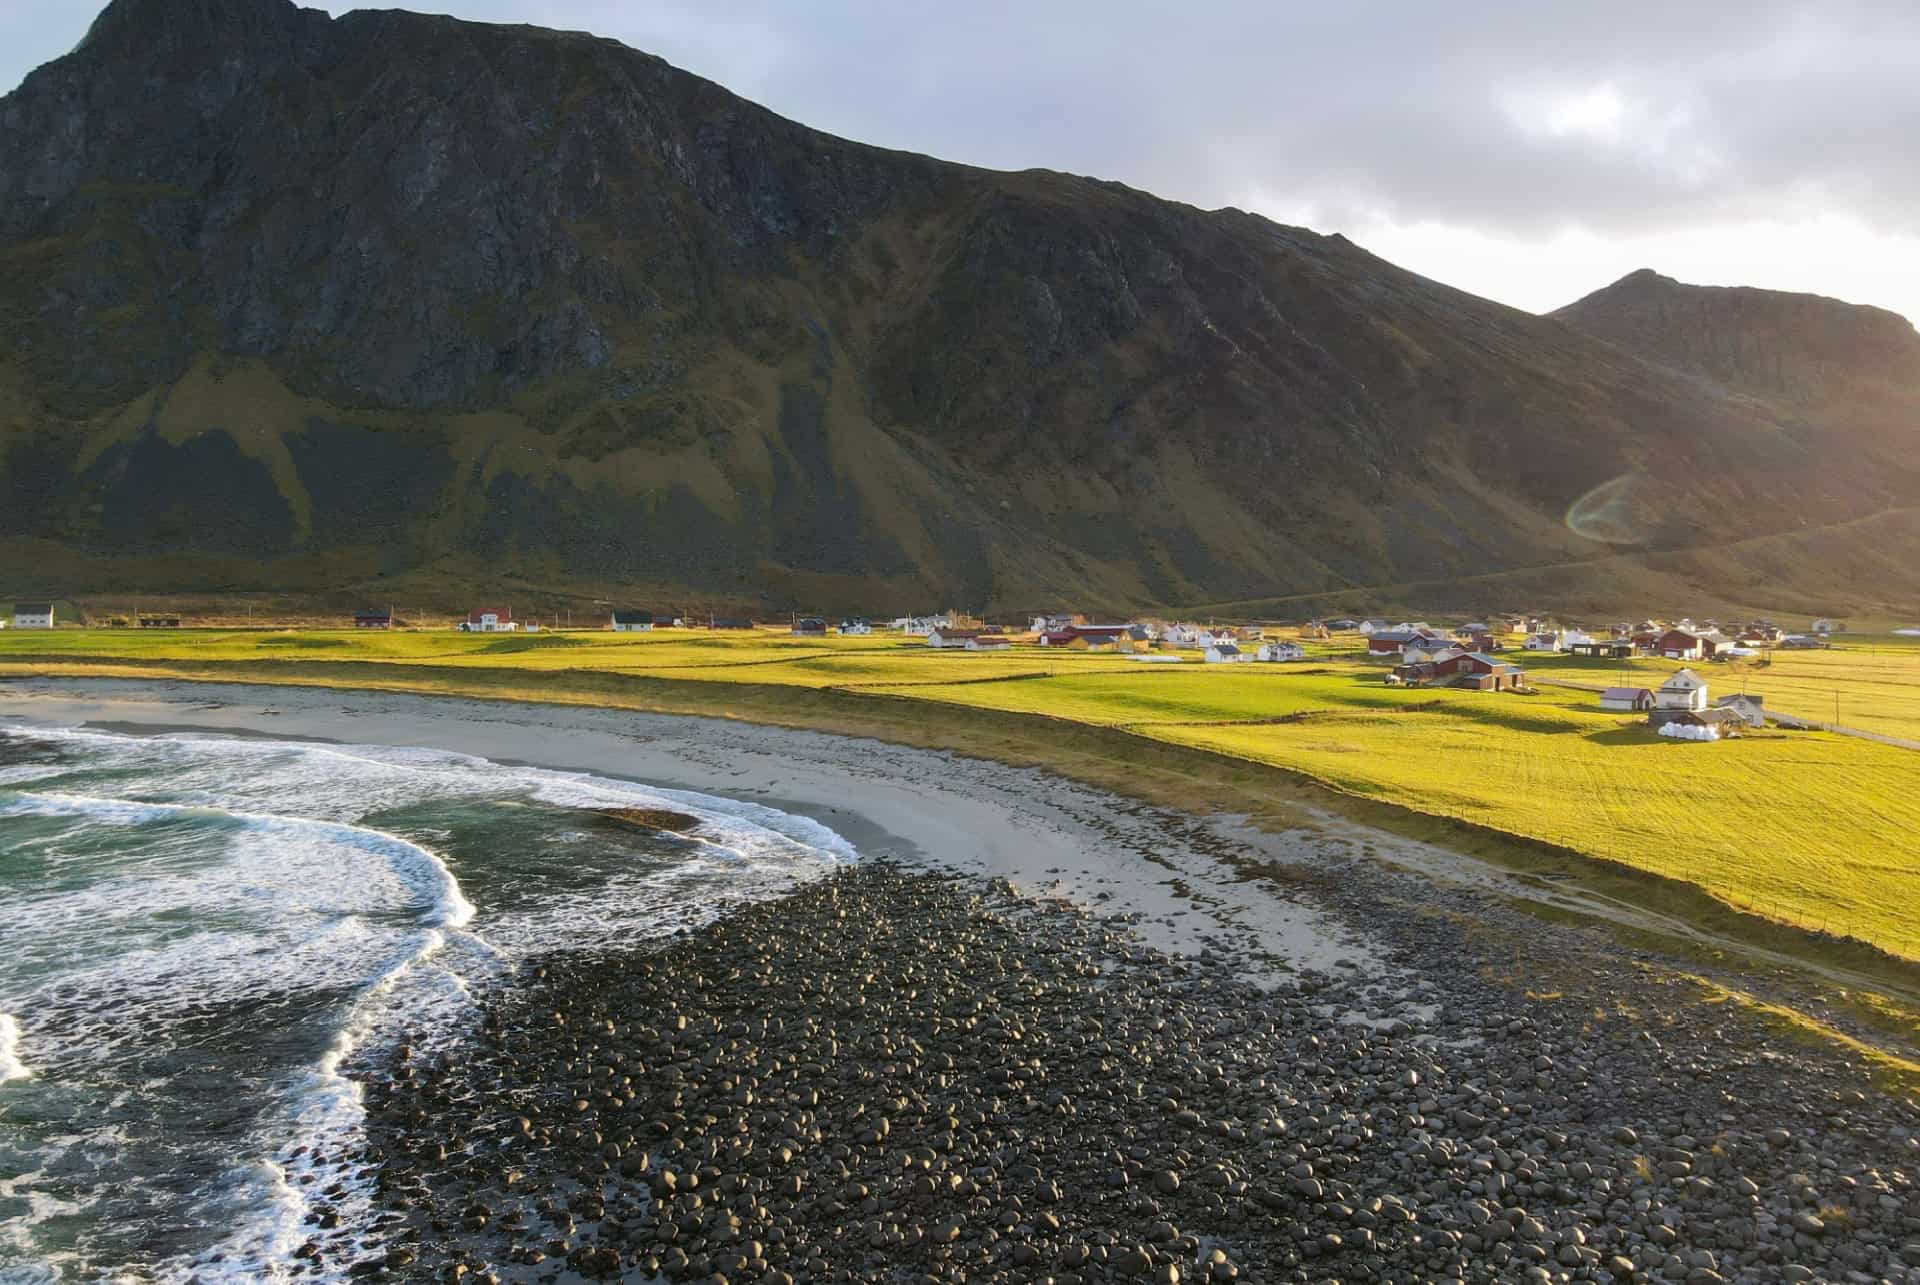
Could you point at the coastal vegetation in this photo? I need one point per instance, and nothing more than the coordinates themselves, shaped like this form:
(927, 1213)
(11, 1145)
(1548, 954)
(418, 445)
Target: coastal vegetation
(1805, 828)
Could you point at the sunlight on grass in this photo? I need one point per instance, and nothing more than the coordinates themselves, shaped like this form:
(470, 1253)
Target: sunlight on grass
(1807, 828)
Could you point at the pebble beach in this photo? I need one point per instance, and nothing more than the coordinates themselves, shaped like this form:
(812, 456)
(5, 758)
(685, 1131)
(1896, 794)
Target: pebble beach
(894, 1075)
(1039, 1034)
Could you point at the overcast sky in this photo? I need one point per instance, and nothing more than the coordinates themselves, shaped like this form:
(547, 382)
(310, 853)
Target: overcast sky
(1527, 151)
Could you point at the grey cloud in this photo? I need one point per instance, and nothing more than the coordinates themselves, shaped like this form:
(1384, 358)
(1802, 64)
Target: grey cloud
(1668, 115)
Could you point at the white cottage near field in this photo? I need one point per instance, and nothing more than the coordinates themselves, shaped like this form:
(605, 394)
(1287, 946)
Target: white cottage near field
(482, 620)
(1685, 692)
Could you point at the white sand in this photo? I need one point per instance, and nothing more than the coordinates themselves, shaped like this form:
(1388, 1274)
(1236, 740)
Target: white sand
(1047, 835)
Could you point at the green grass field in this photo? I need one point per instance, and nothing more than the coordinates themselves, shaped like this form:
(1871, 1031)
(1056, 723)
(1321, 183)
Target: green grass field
(1872, 681)
(1812, 829)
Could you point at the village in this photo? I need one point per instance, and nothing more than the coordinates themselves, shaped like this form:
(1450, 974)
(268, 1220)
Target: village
(1483, 655)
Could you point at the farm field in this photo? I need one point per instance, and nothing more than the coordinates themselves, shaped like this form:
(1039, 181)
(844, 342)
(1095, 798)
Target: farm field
(1805, 827)
(1876, 680)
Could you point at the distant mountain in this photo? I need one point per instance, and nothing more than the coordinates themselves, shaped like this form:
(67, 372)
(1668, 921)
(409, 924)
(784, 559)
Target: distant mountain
(1839, 367)
(397, 303)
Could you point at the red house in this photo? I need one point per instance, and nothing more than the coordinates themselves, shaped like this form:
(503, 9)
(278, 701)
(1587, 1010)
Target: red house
(1678, 644)
(1477, 669)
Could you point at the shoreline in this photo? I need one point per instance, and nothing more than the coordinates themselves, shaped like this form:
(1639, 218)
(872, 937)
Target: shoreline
(1116, 1041)
(1639, 905)
(923, 807)
(1265, 823)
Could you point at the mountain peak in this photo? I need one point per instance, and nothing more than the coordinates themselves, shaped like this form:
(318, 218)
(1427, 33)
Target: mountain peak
(175, 25)
(1645, 278)
(1774, 343)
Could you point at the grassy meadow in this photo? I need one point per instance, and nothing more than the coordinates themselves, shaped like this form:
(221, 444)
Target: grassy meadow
(1812, 829)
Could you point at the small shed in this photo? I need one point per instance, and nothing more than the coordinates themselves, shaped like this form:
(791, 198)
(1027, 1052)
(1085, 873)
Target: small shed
(1627, 700)
(1697, 724)
(631, 622)
(1751, 709)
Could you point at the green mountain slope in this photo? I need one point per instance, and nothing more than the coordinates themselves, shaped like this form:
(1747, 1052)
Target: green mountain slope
(329, 305)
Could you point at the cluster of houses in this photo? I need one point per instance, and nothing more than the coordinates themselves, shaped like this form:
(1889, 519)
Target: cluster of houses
(1682, 640)
(1679, 708)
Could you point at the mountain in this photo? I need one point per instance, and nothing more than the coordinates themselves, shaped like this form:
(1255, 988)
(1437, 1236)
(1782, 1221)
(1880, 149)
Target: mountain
(397, 304)
(1842, 368)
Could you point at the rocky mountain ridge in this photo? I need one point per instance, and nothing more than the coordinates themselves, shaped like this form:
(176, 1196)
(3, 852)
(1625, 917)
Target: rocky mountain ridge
(333, 303)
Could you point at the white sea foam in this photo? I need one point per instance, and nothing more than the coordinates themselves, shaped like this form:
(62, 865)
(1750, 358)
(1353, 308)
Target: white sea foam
(447, 908)
(257, 878)
(328, 1115)
(11, 1065)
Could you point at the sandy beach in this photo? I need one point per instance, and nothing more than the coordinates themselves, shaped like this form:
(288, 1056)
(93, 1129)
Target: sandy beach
(1040, 1033)
(1046, 835)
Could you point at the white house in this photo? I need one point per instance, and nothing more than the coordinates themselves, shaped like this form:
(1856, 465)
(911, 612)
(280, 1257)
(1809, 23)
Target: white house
(1275, 651)
(632, 622)
(1052, 623)
(1686, 690)
(1750, 708)
(987, 642)
(948, 637)
(1224, 653)
(854, 627)
(1184, 636)
(1570, 638)
(488, 622)
(1825, 626)
(1372, 626)
(33, 615)
(1545, 641)
(922, 626)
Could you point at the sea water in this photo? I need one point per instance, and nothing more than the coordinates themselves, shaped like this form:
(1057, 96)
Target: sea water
(202, 939)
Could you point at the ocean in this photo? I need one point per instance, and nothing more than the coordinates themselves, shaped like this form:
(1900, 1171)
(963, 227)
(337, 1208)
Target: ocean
(202, 938)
